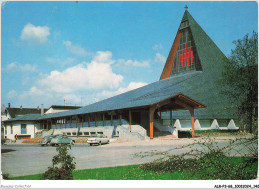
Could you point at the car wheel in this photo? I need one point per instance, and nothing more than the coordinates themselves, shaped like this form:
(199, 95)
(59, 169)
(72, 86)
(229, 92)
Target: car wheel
(48, 144)
(72, 142)
(108, 142)
(99, 143)
(90, 144)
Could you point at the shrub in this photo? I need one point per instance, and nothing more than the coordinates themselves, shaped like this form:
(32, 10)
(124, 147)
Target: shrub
(6, 176)
(63, 165)
(212, 161)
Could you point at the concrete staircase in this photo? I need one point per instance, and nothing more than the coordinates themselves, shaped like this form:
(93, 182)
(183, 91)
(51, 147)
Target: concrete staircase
(46, 133)
(124, 130)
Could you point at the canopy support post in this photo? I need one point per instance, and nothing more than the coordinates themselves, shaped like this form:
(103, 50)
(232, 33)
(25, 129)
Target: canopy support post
(103, 119)
(130, 120)
(171, 117)
(151, 117)
(192, 122)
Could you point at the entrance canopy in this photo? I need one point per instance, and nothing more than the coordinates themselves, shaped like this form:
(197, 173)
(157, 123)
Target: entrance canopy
(175, 102)
(178, 102)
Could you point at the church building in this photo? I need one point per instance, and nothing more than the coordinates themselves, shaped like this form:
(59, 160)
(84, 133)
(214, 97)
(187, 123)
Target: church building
(186, 97)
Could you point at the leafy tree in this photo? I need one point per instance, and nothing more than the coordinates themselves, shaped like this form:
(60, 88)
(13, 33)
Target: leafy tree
(240, 78)
(63, 165)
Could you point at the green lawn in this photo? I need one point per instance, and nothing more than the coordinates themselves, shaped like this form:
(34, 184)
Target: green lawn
(134, 172)
(130, 172)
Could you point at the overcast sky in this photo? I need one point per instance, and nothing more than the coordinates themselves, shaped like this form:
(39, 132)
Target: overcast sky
(88, 51)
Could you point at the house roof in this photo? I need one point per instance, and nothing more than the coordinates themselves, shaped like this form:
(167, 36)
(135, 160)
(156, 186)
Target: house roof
(23, 111)
(64, 107)
(27, 117)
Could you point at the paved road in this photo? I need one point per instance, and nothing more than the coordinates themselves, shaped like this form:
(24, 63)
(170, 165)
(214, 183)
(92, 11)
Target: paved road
(33, 159)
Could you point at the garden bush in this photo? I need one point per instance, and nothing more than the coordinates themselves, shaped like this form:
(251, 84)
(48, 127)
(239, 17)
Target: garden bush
(212, 161)
(62, 165)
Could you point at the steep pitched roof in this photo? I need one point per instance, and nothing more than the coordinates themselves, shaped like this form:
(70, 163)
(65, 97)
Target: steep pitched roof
(211, 57)
(204, 87)
(192, 50)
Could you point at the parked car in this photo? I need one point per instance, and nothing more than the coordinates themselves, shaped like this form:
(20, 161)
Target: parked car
(61, 139)
(46, 140)
(98, 139)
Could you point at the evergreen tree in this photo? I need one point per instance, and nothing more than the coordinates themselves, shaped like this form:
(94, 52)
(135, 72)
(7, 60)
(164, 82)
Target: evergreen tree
(63, 165)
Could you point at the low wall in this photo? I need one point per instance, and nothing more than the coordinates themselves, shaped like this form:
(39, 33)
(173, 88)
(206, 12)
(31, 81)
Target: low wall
(121, 131)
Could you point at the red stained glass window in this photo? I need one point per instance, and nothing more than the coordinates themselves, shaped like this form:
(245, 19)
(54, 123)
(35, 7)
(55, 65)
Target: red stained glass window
(186, 58)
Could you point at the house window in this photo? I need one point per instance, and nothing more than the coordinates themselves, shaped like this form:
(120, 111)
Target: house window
(6, 130)
(23, 129)
(11, 129)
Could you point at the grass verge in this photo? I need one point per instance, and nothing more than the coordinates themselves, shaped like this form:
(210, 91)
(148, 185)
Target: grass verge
(130, 172)
(137, 172)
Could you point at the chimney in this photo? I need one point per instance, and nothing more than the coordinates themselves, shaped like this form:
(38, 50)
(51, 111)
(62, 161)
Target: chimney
(9, 105)
(42, 110)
